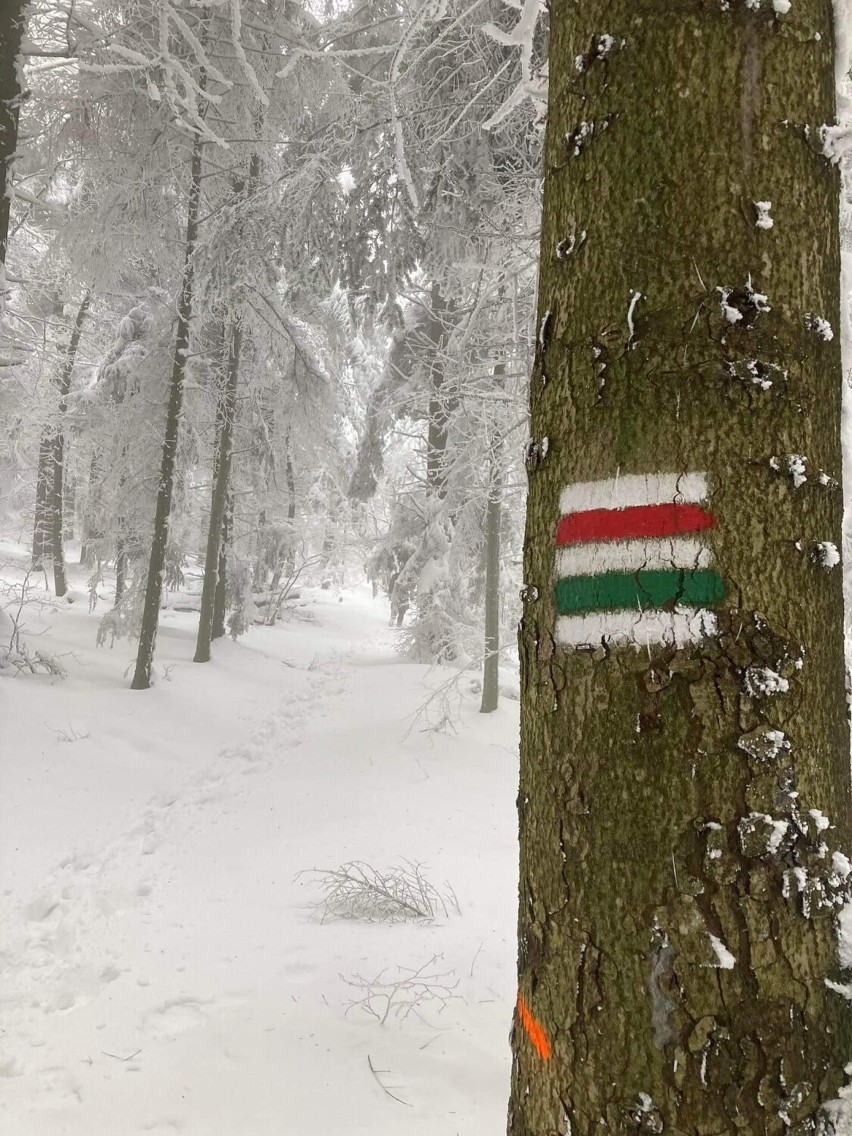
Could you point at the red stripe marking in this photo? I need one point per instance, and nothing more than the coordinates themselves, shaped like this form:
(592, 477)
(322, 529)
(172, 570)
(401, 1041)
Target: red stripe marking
(534, 1029)
(635, 521)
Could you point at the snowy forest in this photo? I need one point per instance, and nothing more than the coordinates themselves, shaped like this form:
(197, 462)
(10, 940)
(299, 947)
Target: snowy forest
(270, 279)
(464, 383)
(268, 316)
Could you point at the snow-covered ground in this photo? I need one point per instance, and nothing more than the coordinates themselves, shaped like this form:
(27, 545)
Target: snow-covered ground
(162, 967)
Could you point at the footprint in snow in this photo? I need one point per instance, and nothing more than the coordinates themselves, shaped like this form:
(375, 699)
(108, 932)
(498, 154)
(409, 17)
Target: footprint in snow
(10, 1066)
(41, 908)
(175, 1017)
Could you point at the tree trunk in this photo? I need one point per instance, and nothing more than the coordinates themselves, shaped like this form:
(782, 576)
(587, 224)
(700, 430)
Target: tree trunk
(92, 531)
(441, 406)
(261, 566)
(290, 555)
(217, 629)
(69, 510)
(11, 34)
(157, 562)
(219, 500)
(220, 597)
(331, 541)
(56, 516)
(684, 787)
(44, 493)
(121, 560)
(493, 521)
(493, 527)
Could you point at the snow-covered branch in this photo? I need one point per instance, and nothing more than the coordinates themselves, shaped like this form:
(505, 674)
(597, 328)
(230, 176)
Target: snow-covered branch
(533, 84)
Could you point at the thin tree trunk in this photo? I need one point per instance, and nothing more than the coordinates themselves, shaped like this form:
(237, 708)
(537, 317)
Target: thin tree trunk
(43, 520)
(440, 405)
(57, 523)
(69, 511)
(493, 523)
(91, 533)
(493, 530)
(217, 629)
(684, 796)
(491, 666)
(290, 557)
(165, 488)
(44, 492)
(331, 537)
(261, 567)
(120, 566)
(11, 34)
(219, 500)
(267, 540)
(220, 598)
(221, 590)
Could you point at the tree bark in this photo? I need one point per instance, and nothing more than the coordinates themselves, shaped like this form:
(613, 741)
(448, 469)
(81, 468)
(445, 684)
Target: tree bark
(11, 33)
(683, 806)
(219, 500)
(56, 502)
(165, 488)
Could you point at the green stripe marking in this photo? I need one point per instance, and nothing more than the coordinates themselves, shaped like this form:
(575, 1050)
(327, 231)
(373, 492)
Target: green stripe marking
(616, 591)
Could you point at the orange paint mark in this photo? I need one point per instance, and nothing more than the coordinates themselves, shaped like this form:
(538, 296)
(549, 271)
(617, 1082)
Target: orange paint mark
(534, 1028)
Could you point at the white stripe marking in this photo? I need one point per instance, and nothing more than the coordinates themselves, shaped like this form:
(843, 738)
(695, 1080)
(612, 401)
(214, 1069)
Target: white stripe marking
(638, 629)
(633, 489)
(631, 556)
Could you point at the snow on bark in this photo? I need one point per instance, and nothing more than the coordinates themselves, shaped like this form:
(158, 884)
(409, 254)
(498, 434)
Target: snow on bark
(796, 465)
(827, 554)
(764, 221)
(725, 960)
(763, 682)
(819, 326)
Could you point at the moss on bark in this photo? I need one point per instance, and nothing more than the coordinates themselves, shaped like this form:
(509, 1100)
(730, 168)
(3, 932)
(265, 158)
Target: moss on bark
(677, 893)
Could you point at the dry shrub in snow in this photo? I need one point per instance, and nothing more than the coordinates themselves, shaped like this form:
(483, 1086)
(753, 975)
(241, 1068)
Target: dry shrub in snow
(410, 992)
(15, 655)
(399, 894)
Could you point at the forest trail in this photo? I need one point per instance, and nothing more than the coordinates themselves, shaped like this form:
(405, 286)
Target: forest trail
(163, 967)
